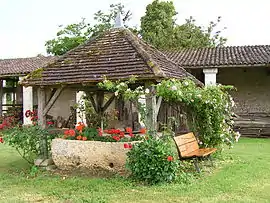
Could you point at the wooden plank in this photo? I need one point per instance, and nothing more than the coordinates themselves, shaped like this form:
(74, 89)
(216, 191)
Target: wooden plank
(52, 100)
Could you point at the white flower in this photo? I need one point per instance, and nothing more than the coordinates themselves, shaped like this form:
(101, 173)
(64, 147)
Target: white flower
(174, 88)
(200, 142)
(233, 104)
(185, 83)
(192, 100)
(199, 95)
(206, 101)
(237, 136)
(116, 93)
(221, 135)
(147, 91)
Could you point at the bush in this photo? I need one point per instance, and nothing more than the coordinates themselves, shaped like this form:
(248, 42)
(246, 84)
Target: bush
(26, 139)
(153, 161)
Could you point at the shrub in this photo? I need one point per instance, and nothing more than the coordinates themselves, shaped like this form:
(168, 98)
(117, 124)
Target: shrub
(26, 139)
(153, 161)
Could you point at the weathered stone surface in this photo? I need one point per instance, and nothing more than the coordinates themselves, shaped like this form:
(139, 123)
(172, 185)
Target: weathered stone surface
(43, 162)
(92, 156)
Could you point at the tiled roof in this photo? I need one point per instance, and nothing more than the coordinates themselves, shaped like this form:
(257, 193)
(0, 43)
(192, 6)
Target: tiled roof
(116, 54)
(222, 56)
(22, 66)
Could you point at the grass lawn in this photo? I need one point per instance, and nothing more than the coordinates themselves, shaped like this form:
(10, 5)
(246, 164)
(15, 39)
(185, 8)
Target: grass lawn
(244, 177)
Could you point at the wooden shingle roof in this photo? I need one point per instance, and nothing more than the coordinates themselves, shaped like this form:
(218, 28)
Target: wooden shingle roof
(116, 54)
(22, 66)
(230, 56)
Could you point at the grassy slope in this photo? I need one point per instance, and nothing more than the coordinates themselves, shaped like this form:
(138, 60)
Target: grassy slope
(246, 178)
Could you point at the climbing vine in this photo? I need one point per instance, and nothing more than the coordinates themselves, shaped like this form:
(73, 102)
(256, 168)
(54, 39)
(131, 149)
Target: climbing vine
(209, 109)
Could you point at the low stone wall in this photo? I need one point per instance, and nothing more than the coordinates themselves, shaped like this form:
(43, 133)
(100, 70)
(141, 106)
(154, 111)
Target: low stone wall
(89, 156)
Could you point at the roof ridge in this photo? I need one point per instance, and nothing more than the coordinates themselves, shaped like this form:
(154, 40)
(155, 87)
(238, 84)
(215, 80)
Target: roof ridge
(150, 62)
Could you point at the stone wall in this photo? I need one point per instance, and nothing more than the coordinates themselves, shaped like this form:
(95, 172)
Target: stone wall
(253, 92)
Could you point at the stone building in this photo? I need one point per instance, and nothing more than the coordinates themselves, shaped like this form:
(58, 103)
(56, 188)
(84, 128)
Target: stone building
(245, 67)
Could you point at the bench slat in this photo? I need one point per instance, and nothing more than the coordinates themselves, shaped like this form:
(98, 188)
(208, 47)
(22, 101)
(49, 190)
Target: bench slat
(188, 146)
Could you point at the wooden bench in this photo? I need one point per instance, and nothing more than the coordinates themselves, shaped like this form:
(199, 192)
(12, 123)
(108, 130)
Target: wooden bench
(188, 148)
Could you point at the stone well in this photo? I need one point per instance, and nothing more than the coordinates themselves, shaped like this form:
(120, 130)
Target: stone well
(89, 156)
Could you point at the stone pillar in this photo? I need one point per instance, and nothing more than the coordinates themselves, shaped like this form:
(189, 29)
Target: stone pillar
(80, 112)
(27, 95)
(210, 76)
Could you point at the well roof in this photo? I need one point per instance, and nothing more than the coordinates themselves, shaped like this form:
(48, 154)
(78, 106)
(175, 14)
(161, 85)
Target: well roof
(115, 54)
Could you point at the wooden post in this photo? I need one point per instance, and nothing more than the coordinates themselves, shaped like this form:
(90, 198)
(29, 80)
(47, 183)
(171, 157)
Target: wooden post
(152, 109)
(42, 121)
(151, 123)
(1, 97)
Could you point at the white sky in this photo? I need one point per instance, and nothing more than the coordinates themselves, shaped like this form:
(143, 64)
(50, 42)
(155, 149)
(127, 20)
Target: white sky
(25, 25)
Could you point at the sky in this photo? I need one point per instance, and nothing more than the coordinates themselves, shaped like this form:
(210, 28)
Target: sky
(25, 25)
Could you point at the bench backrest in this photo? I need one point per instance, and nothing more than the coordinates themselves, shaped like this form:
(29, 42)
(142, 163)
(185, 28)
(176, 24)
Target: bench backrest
(186, 143)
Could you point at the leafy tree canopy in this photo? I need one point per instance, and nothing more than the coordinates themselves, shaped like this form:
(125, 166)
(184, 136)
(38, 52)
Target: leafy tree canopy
(158, 27)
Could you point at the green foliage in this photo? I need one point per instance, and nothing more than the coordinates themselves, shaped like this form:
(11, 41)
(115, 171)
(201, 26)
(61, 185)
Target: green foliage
(158, 27)
(75, 34)
(209, 110)
(153, 161)
(26, 139)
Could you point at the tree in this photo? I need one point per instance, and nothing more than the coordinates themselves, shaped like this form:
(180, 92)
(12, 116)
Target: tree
(75, 34)
(159, 28)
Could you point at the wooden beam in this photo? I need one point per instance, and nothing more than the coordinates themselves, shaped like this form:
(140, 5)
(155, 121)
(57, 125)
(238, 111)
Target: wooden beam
(92, 100)
(100, 100)
(108, 103)
(151, 118)
(1, 97)
(41, 107)
(52, 101)
(42, 122)
(158, 105)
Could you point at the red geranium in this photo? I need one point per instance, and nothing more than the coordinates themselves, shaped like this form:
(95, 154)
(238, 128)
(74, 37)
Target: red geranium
(126, 145)
(84, 138)
(116, 138)
(129, 130)
(130, 146)
(131, 134)
(66, 132)
(79, 137)
(49, 123)
(1, 140)
(142, 130)
(170, 158)
(72, 132)
(121, 134)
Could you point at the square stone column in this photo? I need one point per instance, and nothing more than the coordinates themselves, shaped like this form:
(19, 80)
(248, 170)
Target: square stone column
(27, 95)
(210, 76)
(80, 112)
